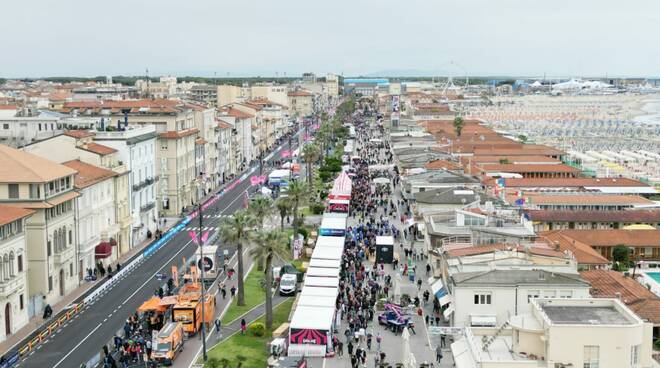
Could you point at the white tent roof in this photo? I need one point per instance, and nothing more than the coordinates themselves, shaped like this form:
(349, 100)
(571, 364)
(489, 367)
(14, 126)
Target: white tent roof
(319, 291)
(316, 318)
(325, 263)
(333, 223)
(327, 252)
(316, 301)
(330, 241)
(322, 272)
(329, 282)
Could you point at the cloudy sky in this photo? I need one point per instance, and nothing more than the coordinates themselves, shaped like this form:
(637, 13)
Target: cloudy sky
(351, 37)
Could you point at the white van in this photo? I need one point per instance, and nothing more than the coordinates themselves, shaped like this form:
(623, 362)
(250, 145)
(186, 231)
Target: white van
(288, 284)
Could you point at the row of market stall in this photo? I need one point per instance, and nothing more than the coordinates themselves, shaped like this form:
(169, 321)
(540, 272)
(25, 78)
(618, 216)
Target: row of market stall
(315, 316)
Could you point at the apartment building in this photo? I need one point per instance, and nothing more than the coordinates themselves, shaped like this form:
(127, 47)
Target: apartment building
(301, 103)
(645, 244)
(224, 145)
(206, 152)
(80, 145)
(228, 94)
(560, 333)
(17, 131)
(97, 228)
(136, 148)
(47, 188)
(546, 220)
(13, 269)
(244, 141)
(175, 151)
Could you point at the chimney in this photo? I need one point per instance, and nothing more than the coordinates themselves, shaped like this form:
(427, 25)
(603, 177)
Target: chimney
(617, 295)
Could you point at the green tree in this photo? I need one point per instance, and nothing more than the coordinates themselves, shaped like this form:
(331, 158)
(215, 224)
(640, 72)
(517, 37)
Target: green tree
(260, 208)
(458, 125)
(504, 161)
(269, 244)
(621, 257)
(235, 229)
(522, 138)
(283, 206)
(298, 195)
(310, 154)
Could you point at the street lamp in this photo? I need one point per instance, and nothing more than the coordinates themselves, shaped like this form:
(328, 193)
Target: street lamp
(201, 265)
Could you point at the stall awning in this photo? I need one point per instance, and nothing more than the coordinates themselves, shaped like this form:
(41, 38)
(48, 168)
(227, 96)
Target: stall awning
(103, 250)
(438, 289)
(483, 321)
(343, 184)
(152, 304)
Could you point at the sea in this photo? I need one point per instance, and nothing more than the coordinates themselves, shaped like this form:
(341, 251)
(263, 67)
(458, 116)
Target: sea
(652, 109)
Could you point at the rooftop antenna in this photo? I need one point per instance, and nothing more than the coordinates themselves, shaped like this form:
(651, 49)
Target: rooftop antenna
(148, 83)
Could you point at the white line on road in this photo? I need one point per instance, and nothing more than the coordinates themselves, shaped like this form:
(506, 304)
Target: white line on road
(77, 346)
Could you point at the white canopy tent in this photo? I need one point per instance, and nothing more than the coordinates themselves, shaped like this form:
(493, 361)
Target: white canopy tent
(333, 253)
(322, 272)
(319, 291)
(330, 241)
(324, 263)
(328, 282)
(315, 301)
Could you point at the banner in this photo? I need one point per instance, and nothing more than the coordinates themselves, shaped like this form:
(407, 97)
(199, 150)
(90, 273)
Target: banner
(175, 275)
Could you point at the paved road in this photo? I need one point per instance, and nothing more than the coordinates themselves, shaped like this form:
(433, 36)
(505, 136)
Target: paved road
(84, 335)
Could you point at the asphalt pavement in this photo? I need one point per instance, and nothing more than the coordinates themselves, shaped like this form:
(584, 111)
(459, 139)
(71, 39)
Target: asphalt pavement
(83, 337)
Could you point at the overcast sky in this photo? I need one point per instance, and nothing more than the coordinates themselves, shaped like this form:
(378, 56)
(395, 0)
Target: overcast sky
(353, 37)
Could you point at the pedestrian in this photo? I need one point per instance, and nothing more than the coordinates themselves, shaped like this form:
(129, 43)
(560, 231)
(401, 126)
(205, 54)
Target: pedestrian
(369, 338)
(428, 269)
(233, 291)
(378, 340)
(419, 285)
(223, 291)
(442, 341)
(340, 349)
(426, 318)
(218, 325)
(350, 347)
(438, 354)
(243, 326)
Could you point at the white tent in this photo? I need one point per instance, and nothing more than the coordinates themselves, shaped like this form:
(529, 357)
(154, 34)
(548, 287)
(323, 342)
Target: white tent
(385, 240)
(315, 301)
(381, 181)
(322, 272)
(319, 291)
(328, 282)
(330, 241)
(333, 253)
(324, 263)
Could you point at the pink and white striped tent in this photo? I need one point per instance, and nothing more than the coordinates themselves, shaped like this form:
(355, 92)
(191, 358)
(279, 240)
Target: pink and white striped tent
(342, 186)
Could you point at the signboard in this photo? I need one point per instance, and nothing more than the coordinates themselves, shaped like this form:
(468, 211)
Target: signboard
(395, 103)
(308, 336)
(297, 246)
(208, 263)
(445, 330)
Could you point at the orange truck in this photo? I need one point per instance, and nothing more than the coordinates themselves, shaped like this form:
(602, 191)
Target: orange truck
(168, 343)
(188, 311)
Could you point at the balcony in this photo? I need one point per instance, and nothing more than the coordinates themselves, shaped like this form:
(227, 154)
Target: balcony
(147, 207)
(10, 286)
(146, 182)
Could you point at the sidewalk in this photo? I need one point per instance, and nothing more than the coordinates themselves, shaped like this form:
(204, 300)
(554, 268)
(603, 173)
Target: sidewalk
(36, 322)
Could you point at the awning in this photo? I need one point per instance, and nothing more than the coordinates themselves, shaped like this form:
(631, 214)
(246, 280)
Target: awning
(152, 304)
(448, 312)
(438, 288)
(103, 250)
(445, 299)
(483, 321)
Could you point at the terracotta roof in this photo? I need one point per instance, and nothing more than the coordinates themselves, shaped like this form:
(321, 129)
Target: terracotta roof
(528, 168)
(511, 159)
(441, 164)
(586, 199)
(10, 214)
(50, 203)
(628, 216)
(223, 125)
(8, 107)
(573, 182)
(88, 174)
(524, 150)
(613, 284)
(155, 106)
(614, 237)
(21, 167)
(583, 253)
(98, 148)
(170, 134)
(200, 141)
(63, 198)
(233, 112)
(79, 133)
(299, 93)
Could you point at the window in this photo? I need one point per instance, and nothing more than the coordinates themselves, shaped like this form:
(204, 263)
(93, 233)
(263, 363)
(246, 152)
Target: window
(6, 126)
(591, 353)
(549, 294)
(35, 191)
(13, 190)
(531, 294)
(482, 298)
(634, 356)
(20, 301)
(20, 264)
(70, 237)
(49, 250)
(565, 293)
(163, 145)
(50, 283)
(71, 269)
(39, 126)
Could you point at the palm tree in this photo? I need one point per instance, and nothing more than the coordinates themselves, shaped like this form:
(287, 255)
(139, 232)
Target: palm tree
(269, 244)
(284, 208)
(458, 125)
(235, 229)
(310, 153)
(298, 194)
(260, 208)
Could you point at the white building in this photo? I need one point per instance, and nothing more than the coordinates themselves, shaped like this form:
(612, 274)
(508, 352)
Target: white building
(490, 298)
(13, 270)
(136, 146)
(96, 219)
(19, 131)
(561, 333)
